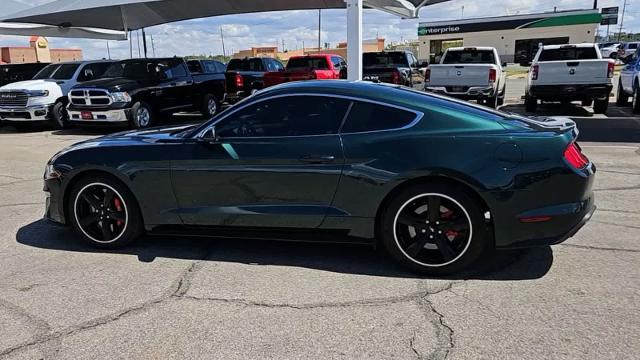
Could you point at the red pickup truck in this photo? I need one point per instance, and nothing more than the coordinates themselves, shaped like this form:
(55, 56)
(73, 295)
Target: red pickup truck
(309, 67)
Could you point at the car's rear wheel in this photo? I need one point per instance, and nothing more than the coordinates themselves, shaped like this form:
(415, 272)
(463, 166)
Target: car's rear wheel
(435, 229)
(530, 103)
(209, 105)
(621, 97)
(636, 100)
(141, 115)
(600, 106)
(104, 212)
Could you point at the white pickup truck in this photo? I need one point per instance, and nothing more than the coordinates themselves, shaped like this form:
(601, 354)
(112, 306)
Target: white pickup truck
(573, 72)
(44, 98)
(469, 73)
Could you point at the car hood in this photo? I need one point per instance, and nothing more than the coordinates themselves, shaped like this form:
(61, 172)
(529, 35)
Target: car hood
(165, 134)
(115, 84)
(33, 85)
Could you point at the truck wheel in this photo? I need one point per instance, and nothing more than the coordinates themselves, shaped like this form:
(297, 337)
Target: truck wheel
(502, 95)
(530, 103)
(600, 106)
(209, 105)
(635, 104)
(141, 115)
(621, 97)
(492, 102)
(60, 116)
(587, 102)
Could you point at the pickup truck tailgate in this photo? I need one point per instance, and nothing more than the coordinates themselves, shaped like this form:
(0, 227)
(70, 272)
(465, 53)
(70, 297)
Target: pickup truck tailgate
(460, 75)
(572, 72)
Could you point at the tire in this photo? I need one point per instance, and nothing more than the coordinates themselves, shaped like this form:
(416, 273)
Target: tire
(622, 99)
(448, 249)
(141, 115)
(600, 106)
(502, 96)
(613, 55)
(635, 103)
(492, 102)
(587, 102)
(60, 116)
(209, 105)
(118, 225)
(530, 103)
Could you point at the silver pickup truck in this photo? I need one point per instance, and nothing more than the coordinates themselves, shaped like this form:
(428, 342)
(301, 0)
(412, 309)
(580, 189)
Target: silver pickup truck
(469, 73)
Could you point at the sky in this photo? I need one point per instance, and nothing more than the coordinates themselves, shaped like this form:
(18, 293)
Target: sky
(295, 28)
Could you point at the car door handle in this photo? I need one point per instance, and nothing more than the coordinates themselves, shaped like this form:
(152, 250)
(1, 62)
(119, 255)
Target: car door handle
(318, 159)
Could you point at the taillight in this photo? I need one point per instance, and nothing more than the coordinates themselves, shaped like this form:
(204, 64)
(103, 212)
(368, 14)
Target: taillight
(575, 157)
(534, 72)
(395, 77)
(427, 75)
(492, 75)
(239, 81)
(611, 69)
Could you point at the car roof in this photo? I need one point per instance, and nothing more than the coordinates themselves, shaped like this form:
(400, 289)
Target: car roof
(82, 62)
(462, 48)
(581, 45)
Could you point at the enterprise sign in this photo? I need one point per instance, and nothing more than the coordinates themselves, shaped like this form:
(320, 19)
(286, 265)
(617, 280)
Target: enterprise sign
(441, 30)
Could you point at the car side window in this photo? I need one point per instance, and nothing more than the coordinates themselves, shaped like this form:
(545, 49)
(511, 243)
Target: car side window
(93, 71)
(171, 69)
(336, 62)
(278, 65)
(194, 66)
(271, 66)
(286, 116)
(366, 116)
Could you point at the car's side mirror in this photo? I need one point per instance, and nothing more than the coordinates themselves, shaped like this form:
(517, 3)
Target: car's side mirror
(209, 136)
(504, 64)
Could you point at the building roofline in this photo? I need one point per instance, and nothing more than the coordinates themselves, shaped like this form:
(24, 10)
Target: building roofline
(508, 17)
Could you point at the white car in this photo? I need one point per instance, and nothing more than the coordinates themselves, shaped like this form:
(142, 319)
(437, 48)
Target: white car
(44, 98)
(568, 73)
(469, 73)
(629, 83)
(610, 51)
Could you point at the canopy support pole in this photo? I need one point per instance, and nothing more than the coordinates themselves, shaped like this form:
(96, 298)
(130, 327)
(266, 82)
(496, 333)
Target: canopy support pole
(354, 40)
(144, 42)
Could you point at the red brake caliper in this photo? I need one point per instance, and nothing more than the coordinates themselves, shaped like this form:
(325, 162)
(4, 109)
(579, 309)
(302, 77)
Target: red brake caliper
(118, 204)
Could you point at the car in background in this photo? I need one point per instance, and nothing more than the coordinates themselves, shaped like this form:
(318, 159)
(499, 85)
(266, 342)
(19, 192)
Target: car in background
(44, 98)
(393, 67)
(609, 50)
(246, 76)
(572, 72)
(469, 73)
(10, 73)
(135, 92)
(629, 83)
(627, 49)
(309, 67)
(215, 73)
(327, 161)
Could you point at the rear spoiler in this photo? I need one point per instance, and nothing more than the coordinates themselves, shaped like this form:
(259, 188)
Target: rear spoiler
(556, 124)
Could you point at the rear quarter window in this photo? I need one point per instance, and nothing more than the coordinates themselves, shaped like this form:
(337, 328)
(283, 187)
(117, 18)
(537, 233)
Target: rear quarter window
(365, 116)
(572, 53)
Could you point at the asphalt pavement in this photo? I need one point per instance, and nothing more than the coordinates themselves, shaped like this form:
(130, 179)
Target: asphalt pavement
(174, 297)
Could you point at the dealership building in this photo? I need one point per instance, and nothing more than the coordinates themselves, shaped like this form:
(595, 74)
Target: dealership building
(515, 37)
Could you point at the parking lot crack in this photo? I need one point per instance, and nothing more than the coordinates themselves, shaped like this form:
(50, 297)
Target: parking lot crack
(444, 332)
(588, 247)
(40, 327)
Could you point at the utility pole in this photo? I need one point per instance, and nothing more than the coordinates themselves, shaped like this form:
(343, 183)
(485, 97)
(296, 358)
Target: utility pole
(130, 45)
(462, 13)
(319, 27)
(224, 53)
(153, 46)
(108, 50)
(138, 38)
(283, 50)
(144, 42)
(624, 7)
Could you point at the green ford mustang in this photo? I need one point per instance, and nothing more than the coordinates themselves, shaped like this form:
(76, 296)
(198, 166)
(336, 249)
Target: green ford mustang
(438, 182)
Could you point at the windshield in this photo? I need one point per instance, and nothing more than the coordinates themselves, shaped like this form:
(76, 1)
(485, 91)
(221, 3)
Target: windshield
(46, 72)
(65, 71)
(308, 62)
(245, 65)
(131, 70)
(384, 59)
(469, 57)
(572, 53)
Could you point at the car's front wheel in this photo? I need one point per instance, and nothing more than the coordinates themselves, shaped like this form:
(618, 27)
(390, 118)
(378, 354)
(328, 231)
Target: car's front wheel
(104, 212)
(530, 103)
(209, 105)
(635, 104)
(621, 97)
(60, 116)
(141, 115)
(435, 229)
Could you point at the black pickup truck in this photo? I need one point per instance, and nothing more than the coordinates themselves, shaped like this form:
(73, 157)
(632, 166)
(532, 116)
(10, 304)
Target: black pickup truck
(394, 67)
(136, 91)
(245, 76)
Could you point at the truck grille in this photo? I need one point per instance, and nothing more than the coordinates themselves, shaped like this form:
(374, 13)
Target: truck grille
(89, 97)
(13, 98)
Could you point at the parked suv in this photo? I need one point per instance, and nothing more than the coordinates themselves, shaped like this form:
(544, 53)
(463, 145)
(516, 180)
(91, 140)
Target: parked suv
(45, 96)
(629, 83)
(136, 91)
(246, 76)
